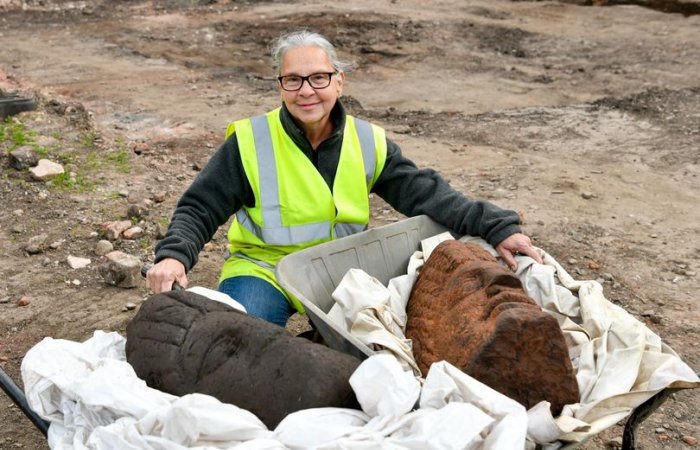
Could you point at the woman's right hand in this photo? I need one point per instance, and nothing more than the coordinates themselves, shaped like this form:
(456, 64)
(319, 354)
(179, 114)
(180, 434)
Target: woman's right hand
(160, 277)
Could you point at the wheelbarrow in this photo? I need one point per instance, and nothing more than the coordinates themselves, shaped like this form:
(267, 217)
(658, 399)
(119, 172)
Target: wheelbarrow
(311, 276)
(628, 436)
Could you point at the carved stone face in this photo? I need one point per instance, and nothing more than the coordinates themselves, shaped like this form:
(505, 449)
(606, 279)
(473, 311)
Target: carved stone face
(486, 286)
(468, 310)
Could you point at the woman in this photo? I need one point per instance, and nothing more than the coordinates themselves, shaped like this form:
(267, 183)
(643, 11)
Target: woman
(301, 175)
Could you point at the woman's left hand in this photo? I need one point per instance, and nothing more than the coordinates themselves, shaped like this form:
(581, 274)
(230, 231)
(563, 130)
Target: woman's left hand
(517, 243)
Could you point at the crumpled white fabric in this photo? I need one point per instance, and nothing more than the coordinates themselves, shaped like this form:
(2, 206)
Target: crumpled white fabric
(619, 362)
(94, 400)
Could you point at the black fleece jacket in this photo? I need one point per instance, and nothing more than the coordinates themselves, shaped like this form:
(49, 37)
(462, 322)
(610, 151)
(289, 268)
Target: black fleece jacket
(222, 188)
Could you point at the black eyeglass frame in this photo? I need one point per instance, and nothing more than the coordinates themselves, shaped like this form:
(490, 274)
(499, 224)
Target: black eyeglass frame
(307, 79)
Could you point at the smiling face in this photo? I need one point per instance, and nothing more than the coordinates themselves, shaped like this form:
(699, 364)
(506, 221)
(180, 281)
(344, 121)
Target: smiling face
(310, 107)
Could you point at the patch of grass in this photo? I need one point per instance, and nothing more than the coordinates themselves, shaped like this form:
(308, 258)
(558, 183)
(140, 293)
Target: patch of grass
(16, 132)
(40, 150)
(64, 182)
(143, 243)
(92, 160)
(88, 138)
(66, 158)
(120, 158)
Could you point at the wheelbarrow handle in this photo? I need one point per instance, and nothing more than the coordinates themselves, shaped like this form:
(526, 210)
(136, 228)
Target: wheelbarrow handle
(17, 396)
(144, 272)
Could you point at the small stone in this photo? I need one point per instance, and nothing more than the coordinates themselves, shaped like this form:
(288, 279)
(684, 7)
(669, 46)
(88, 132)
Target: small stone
(133, 233)
(677, 415)
(77, 263)
(114, 229)
(4, 300)
(690, 440)
(689, 273)
(615, 442)
(572, 261)
(18, 229)
(587, 195)
(37, 244)
(24, 158)
(653, 235)
(55, 245)
(210, 247)
(159, 197)
(18, 212)
(608, 276)
(24, 301)
(46, 170)
(121, 270)
(161, 230)
(130, 306)
(663, 437)
(136, 210)
(75, 282)
(401, 129)
(103, 247)
(593, 265)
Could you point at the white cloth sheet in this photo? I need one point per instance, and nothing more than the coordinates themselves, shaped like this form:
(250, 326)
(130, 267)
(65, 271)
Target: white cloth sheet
(94, 400)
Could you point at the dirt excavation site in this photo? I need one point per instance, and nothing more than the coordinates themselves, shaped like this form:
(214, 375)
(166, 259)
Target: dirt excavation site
(583, 116)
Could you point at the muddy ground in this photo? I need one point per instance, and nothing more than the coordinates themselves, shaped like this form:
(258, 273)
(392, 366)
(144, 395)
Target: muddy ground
(586, 118)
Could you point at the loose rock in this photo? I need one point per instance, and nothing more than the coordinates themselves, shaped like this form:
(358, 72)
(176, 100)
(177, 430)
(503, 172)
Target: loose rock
(77, 263)
(615, 442)
(24, 301)
(690, 440)
(137, 210)
(121, 270)
(161, 230)
(37, 244)
(24, 158)
(46, 170)
(133, 233)
(103, 247)
(114, 229)
(159, 197)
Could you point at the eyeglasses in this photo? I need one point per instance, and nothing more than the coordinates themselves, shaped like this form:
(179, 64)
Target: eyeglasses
(316, 80)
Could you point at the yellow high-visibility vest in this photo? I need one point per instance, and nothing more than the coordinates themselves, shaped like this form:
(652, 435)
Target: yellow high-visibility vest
(294, 207)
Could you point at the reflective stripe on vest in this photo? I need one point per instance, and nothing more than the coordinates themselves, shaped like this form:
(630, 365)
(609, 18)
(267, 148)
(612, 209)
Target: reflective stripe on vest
(274, 232)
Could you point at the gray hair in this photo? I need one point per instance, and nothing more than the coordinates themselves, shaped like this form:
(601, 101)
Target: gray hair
(304, 38)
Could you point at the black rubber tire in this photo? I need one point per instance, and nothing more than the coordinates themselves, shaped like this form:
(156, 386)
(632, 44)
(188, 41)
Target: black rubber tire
(9, 106)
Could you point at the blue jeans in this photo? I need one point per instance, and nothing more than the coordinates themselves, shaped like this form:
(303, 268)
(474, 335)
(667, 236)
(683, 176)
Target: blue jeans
(260, 298)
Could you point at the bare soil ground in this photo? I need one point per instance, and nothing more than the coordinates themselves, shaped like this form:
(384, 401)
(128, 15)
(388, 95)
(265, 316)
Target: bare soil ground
(584, 117)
